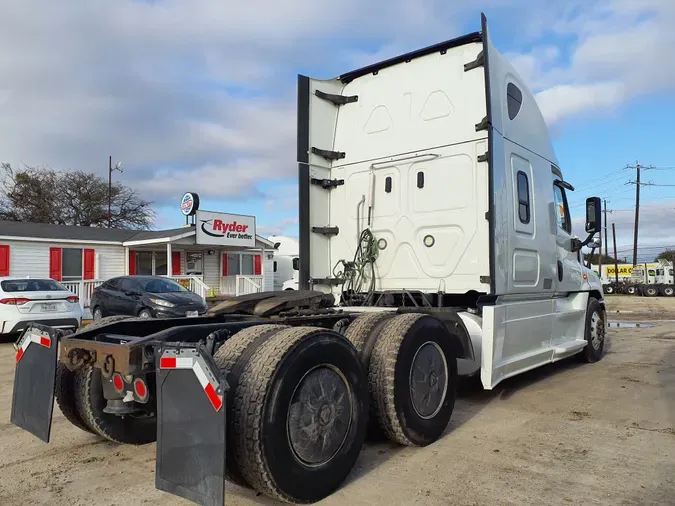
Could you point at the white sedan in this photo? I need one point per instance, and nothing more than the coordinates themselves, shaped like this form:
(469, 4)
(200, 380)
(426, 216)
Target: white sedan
(26, 300)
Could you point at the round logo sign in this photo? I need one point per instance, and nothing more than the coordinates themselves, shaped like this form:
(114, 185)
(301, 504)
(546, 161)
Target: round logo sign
(189, 204)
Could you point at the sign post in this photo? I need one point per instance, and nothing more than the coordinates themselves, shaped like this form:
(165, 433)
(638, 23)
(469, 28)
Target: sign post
(189, 205)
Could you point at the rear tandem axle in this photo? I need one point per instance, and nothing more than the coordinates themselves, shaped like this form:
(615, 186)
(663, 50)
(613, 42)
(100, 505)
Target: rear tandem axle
(273, 392)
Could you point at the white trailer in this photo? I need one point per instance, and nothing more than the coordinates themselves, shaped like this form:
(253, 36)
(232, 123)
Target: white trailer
(435, 242)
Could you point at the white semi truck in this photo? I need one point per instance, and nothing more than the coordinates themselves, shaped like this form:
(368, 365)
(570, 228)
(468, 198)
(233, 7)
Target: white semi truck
(435, 242)
(649, 279)
(652, 280)
(285, 261)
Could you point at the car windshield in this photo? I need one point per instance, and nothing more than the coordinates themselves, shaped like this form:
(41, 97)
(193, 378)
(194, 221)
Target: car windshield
(31, 285)
(161, 286)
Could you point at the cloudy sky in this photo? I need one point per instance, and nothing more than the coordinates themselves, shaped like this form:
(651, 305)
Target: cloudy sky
(200, 94)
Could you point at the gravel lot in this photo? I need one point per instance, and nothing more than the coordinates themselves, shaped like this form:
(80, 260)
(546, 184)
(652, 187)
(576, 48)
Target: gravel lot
(564, 434)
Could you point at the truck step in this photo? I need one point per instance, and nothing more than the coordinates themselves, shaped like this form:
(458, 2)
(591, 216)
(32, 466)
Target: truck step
(568, 348)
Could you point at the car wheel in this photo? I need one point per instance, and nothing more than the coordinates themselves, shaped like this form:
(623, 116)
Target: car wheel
(145, 313)
(98, 314)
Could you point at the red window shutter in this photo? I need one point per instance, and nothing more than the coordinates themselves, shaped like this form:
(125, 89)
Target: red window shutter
(257, 265)
(4, 260)
(55, 263)
(224, 264)
(132, 263)
(89, 264)
(175, 263)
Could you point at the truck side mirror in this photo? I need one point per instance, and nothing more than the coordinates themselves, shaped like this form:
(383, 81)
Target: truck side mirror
(296, 264)
(593, 215)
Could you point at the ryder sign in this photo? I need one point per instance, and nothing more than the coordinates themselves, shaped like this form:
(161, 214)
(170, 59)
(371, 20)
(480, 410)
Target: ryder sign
(223, 229)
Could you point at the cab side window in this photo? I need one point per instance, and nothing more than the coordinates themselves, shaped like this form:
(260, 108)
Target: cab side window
(562, 212)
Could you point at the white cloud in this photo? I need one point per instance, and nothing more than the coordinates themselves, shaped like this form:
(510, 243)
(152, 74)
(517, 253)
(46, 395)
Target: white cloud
(620, 51)
(201, 93)
(280, 227)
(194, 93)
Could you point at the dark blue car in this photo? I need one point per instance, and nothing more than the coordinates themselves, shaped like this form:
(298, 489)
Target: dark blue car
(146, 297)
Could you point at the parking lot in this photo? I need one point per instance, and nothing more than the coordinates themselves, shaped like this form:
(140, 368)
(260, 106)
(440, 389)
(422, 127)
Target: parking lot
(564, 434)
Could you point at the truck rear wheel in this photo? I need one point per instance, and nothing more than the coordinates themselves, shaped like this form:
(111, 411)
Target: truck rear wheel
(90, 403)
(668, 290)
(363, 333)
(64, 393)
(105, 321)
(231, 359)
(413, 375)
(651, 291)
(300, 414)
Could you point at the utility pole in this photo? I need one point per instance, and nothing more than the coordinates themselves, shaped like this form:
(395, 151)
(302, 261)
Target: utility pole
(604, 208)
(616, 262)
(109, 189)
(118, 166)
(637, 212)
(637, 184)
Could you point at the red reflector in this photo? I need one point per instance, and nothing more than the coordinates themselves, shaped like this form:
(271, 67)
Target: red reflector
(46, 342)
(167, 363)
(213, 397)
(141, 390)
(19, 354)
(117, 382)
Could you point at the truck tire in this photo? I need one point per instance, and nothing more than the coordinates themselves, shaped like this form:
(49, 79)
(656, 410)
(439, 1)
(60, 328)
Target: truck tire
(64, 393)
(90, 403)
(231, 359)
(651, 291)
(608, 289)
(300, 414)
(631, 290)
(106, 320)
(667, 290)
(362, 333)
(594, 332)
(413, 374)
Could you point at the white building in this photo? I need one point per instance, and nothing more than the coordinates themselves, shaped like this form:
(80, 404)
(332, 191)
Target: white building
(84, 257)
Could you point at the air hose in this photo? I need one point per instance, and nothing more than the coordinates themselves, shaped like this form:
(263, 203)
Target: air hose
(359, 271)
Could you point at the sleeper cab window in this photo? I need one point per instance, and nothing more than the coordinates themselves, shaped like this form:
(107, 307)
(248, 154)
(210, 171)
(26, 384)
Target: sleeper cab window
(523, 197)
(514, 100)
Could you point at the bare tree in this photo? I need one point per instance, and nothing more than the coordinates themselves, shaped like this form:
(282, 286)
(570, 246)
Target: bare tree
(43, 195)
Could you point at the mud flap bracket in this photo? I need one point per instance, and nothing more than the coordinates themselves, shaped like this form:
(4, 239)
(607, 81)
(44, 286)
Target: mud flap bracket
(33, 395)
(190, 424)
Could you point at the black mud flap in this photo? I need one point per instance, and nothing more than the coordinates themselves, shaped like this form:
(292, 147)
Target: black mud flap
(33, 396)
(190, 424)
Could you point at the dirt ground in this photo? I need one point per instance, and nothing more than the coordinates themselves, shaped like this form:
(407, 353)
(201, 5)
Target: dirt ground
(564, 434)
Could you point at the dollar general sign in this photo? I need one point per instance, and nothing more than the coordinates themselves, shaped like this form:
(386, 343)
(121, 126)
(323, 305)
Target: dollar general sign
(624, 270)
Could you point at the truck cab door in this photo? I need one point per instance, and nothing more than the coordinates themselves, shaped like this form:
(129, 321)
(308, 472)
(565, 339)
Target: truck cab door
(568, 269)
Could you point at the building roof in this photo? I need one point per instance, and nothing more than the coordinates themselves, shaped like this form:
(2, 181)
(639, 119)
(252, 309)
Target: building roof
(90, 234)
